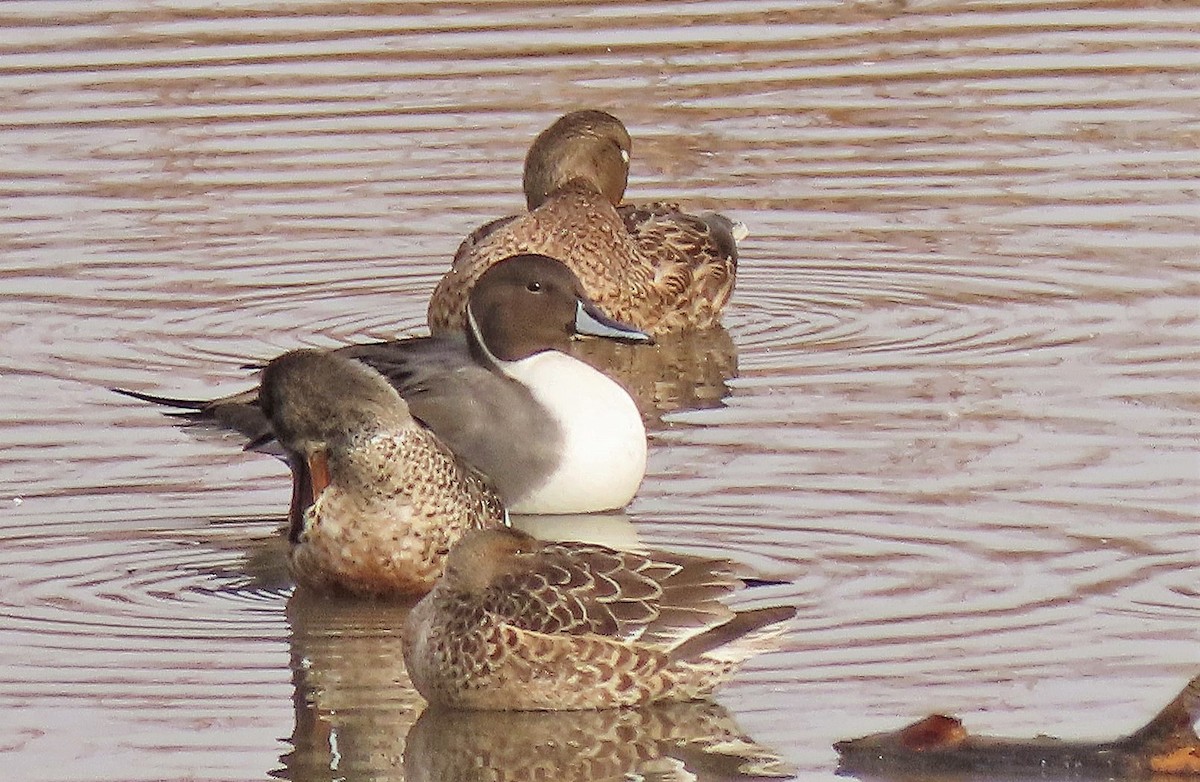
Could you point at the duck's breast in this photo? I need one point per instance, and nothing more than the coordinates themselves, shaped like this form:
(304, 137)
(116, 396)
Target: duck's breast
(601, 457)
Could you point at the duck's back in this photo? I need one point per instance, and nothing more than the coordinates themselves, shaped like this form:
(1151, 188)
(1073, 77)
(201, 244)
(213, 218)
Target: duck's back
(651, 266)
(480, 415)
(579, 228)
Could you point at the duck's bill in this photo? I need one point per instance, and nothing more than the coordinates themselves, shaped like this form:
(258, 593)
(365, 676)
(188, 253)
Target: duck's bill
(318, 472)
(310, 476)
(590, 321)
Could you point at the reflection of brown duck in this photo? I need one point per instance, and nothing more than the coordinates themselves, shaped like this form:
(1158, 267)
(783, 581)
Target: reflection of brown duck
(685, 371)
(378, 500)
(517, 623)
(669, 741)
(353, 701)
(652, 266)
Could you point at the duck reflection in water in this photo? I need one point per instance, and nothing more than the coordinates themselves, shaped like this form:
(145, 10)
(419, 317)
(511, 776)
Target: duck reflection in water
(681, 372)
(697, 740)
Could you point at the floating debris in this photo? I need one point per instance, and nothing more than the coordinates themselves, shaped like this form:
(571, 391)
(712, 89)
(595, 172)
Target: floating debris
(939, 747)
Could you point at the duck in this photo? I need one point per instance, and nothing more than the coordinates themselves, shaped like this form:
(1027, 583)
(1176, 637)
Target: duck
(553, 434)
(516, 623)
(377, 499)
(652, 266)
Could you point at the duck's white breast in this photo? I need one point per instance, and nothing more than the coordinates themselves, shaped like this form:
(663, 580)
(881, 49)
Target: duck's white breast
(603, 457)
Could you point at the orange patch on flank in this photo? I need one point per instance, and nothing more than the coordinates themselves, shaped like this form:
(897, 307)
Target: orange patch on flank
(1185, 760)
(936, 731)
(318, 471)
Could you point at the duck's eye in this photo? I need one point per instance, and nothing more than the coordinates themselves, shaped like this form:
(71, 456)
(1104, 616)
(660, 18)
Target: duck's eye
(534, 287)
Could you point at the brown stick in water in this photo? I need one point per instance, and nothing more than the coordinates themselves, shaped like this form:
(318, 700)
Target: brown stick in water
(939, 747)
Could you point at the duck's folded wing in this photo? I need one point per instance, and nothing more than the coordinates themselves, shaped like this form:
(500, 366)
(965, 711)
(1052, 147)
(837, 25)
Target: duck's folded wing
(705, 238)
(411, 363)
(575, 588)
(478, 414)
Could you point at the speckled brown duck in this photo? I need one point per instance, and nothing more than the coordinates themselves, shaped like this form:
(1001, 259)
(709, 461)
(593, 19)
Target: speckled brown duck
(652, 266)
(377, 499)
(521, 624)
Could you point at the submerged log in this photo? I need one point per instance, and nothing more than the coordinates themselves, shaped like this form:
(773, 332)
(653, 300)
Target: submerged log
(939, 747)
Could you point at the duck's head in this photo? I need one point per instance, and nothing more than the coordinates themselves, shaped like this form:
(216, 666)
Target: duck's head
(313, 398)
(527, 304)
(482, 556)
(316, 402)
(588, 147)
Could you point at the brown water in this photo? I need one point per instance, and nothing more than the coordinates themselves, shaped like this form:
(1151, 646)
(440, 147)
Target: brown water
(965, 413)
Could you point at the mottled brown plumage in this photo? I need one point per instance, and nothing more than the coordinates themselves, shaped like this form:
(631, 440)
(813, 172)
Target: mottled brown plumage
(651, 266)
(377, 500)
(517, 623)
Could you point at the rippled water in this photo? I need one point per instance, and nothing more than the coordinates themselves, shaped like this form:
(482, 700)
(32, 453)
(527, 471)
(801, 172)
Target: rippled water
(962, 416)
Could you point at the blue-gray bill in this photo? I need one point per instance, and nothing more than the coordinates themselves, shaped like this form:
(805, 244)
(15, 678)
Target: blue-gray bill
(590, 321)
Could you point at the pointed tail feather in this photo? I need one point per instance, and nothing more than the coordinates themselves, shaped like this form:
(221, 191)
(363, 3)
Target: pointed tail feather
(746, 634)
(195, 405)
(238, 413)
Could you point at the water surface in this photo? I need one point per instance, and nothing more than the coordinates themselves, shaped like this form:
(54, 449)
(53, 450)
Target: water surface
(962, 417)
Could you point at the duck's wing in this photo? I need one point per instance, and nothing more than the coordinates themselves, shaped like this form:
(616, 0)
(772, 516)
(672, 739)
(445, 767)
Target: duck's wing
(694, 257)
(575, 588)
(706, 239)
(409, 364)
(466, 249)
(477, 414)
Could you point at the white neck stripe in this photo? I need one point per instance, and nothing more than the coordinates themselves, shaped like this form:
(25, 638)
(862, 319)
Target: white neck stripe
(475, 332)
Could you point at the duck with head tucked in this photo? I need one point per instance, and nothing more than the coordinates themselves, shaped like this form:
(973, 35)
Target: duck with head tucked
(377, 499)
(521, 624)
(652, 266)
(552, 434)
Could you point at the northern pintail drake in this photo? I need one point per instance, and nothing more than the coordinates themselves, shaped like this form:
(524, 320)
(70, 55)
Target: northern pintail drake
(377, 499)
(652, 266)
(521, 624)
(552, 434)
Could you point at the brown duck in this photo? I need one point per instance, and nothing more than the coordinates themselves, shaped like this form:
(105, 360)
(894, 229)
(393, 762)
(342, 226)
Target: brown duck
(521, 624)
(652, 266)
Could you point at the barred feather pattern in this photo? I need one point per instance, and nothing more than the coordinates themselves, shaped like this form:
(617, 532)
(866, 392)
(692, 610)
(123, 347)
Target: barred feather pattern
(570, 625)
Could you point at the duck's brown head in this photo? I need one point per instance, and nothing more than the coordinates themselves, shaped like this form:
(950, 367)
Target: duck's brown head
(588, 149)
